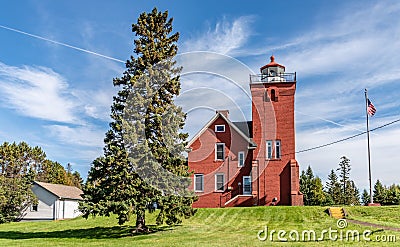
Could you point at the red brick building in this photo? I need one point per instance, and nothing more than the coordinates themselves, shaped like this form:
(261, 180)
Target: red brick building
(250, 163)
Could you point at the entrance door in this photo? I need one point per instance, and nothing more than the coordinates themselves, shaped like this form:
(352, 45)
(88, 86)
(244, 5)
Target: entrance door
(246, 185)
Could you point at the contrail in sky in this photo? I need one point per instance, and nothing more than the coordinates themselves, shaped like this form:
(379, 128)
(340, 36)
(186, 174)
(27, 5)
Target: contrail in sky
(60, 43)
(121, 61)
(332, 122)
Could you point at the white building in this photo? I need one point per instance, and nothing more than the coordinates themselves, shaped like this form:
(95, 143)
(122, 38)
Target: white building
(55, 202)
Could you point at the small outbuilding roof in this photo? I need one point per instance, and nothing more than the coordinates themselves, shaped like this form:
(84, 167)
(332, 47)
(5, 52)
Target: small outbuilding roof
(62, 191)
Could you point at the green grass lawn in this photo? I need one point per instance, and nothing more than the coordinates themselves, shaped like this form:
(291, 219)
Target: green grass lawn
(387, 216)
(209, 227)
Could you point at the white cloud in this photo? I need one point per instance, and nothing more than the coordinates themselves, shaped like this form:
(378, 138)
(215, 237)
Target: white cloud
(352, 40)
(225, 38)
(36, 92)
(212, 81)
(339, 57)
(80, 135)
(96, 103)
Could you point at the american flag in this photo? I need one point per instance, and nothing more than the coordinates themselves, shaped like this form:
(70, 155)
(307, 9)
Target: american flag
(371, 108)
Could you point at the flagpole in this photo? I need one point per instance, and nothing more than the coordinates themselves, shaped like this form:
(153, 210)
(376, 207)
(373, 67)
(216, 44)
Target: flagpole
(369, 151)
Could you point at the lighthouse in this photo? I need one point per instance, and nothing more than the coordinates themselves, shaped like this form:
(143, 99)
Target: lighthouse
(275, 169)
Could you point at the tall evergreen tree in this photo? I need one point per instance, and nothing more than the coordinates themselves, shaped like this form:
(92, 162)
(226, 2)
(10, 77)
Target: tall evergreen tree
(344, 175)
(77, 180)
(52, 172)
(379, 192)
(18, 160)
(393, 195)
(143, 161)
(353, 194)
(333, 188)
(365, 198)
(15, 196)
(19, 166)
(319, 196)
(306, 186)
(312, 188)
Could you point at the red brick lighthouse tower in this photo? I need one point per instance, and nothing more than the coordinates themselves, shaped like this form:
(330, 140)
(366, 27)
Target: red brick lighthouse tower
(275, 172)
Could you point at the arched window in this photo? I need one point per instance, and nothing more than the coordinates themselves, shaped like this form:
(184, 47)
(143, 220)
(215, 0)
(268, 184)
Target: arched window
(273, 95)
(266, 97)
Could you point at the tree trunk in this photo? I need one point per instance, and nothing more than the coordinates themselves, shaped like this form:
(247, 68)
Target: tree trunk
(141, 222)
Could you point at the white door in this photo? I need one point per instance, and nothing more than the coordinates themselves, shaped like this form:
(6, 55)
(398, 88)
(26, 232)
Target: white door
(246, 185)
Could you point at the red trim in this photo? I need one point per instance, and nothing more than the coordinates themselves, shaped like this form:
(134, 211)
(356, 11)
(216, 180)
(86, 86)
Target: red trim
(272, 64)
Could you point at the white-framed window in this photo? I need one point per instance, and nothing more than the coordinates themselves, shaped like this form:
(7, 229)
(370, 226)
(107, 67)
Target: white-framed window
(277, 149)
(219, 151)
(247, 185)
(220, 128)
(219, 182)
(269, 149)
(241, 159)
(273, 148)
(198, 182)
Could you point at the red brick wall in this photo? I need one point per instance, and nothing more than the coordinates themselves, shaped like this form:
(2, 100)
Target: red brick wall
(202, 160)
(274, 120)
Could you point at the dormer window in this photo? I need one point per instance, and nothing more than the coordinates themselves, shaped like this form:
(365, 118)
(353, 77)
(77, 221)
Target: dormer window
(219, 128)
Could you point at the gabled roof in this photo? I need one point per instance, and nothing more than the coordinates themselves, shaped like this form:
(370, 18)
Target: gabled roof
(62, 191)
(232, 125)
(246, 127)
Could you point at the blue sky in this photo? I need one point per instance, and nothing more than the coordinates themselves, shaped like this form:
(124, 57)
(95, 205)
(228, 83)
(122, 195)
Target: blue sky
(59, 97)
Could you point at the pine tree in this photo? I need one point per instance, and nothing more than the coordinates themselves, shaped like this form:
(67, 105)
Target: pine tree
(353, 194)
(19, 164)
(143, 162)
(380, 192)
(344, 175)
(365, 198)
(52, 172)
(77, 180)
(333, 188)
(312, 188)
(15, 196)
(318, 194)
(306, 186)
(393, 195)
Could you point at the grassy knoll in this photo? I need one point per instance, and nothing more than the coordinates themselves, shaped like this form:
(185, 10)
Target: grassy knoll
(387, 215)
(209, 227)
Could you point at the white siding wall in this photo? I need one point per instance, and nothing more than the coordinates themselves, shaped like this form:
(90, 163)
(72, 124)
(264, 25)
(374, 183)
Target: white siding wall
(71, 209)
(59, 210)
(50, 207)
(45, 205)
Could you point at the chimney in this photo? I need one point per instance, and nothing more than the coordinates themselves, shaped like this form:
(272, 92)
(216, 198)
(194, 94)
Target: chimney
(224, 112)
